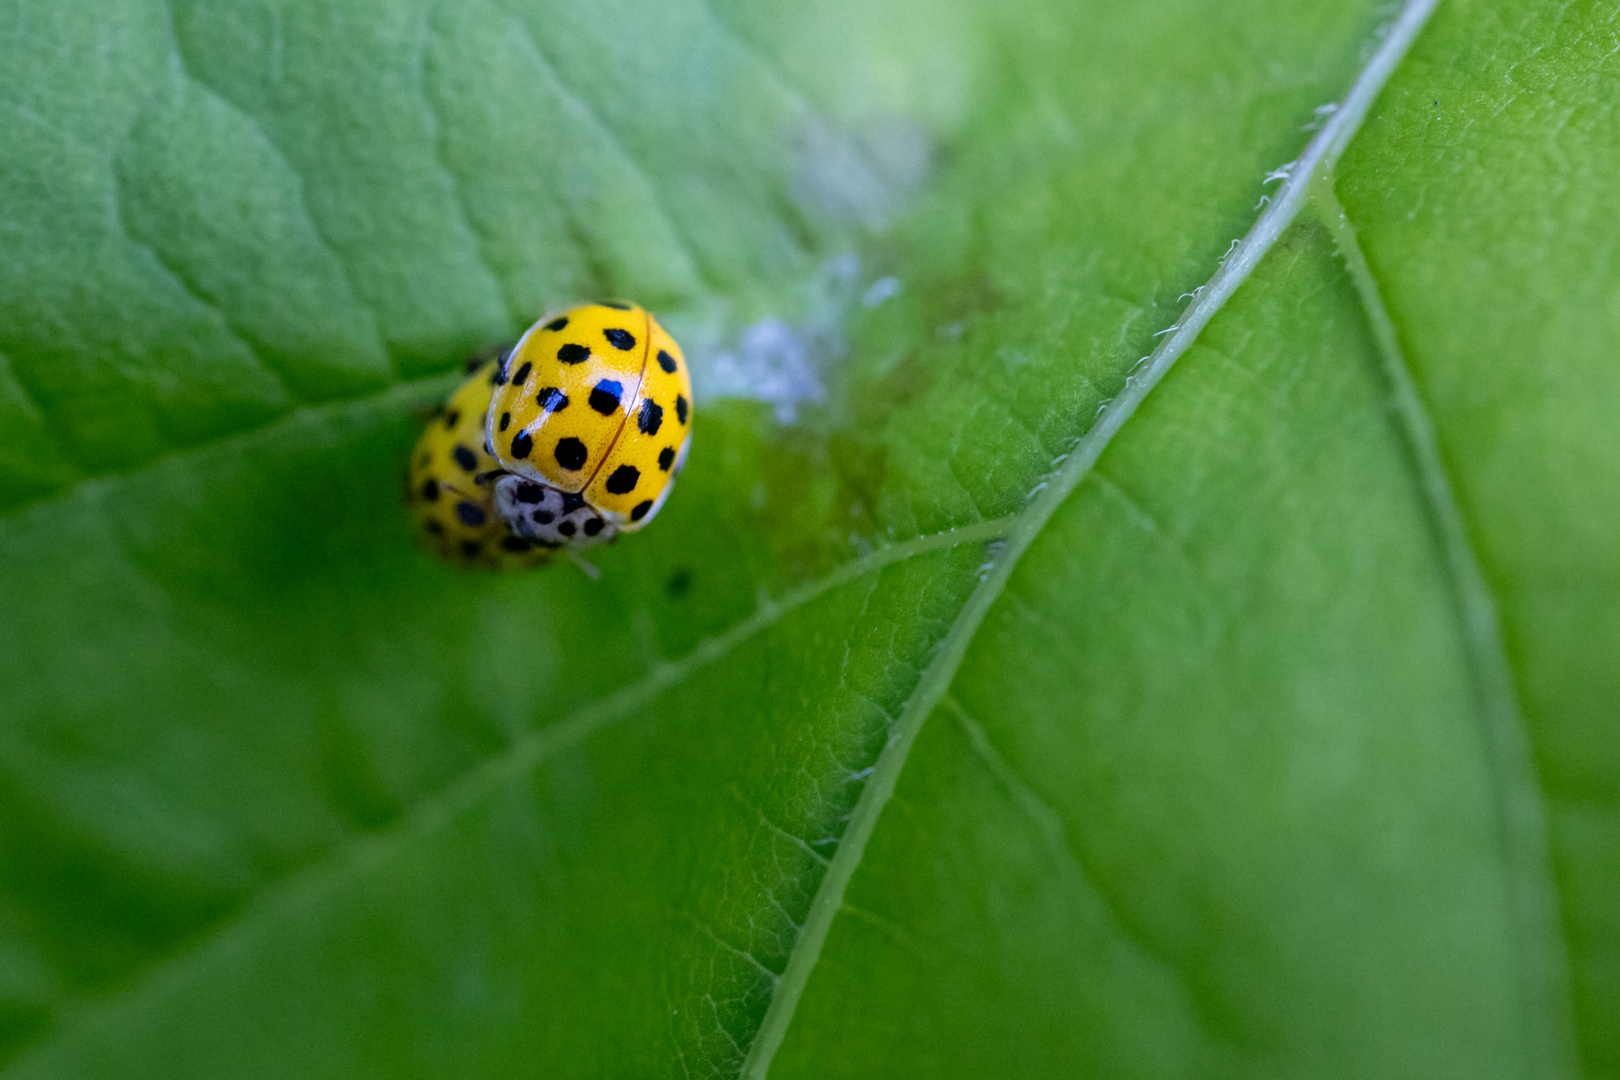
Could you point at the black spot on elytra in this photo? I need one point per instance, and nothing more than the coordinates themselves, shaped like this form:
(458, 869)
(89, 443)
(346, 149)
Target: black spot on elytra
(593, 526)
(522, 444)
(506, 420)
(666, 361)
(521, 373)
(469, 514)
(680, 408)
(557, 324)
(616, 305)
(430, 490)
(680, 583)
(572, 500)
(624, 480)
(452, 418)
(515, 543)
(605, 396)
(530, 492)
(471, 549)
(571, 454)
(666, 458)
(566, 528)
(551, 399)
(573, 354)
(465, 457)
(641, 510)
(622, 340)
(544, 517)
(652, 416)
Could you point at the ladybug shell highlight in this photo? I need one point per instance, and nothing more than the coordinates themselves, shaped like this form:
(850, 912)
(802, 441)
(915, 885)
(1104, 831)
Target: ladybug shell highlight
(596, 401)
(455, 513)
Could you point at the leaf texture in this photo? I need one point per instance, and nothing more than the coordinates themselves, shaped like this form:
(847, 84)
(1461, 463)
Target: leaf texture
(1286, 748)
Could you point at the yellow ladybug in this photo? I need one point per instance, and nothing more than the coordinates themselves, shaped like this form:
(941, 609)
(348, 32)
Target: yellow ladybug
(591, 417)
(449, 486)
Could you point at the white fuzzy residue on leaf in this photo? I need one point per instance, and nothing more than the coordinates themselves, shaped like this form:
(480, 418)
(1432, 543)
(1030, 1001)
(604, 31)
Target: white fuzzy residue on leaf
(784, 362)
(772, 362)
(787, 358)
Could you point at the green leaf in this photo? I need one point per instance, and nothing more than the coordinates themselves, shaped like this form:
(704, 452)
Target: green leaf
(986, 702)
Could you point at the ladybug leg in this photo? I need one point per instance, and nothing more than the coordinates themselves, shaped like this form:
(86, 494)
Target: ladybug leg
(579, 560)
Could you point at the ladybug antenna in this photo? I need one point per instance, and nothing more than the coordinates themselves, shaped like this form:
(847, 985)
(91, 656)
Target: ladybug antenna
(579, 560)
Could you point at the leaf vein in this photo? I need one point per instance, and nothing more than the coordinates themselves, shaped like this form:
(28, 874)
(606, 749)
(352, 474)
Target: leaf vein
(1321, 154)
(1048, 821)
(584, 110)
(31, 404)
(439, 808)
(400, 392)
(457, 195)
(742, 954)
(797, 841)
(175, 274)
(1522, 824)
(185, 70)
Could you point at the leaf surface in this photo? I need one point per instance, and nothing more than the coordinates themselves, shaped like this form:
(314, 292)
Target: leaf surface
(1285, 746)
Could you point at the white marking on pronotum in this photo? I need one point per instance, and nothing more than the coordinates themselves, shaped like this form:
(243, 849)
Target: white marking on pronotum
(1319, 155)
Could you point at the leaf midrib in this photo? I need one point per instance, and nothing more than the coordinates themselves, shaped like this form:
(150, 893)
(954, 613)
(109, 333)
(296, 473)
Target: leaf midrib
(1320, 156)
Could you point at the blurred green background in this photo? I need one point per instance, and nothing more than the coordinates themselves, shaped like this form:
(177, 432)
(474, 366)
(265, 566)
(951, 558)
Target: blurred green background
(1289, 748)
